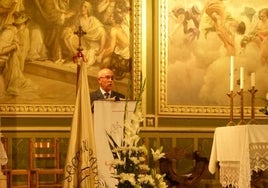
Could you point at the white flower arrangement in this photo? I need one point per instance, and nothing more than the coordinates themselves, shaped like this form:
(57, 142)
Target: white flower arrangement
(130, 158)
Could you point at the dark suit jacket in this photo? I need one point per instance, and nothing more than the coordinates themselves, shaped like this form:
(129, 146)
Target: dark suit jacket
(97, 95)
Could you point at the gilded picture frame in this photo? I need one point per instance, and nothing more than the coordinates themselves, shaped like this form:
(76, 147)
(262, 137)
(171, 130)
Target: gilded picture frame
(55, 103)
(194, 59)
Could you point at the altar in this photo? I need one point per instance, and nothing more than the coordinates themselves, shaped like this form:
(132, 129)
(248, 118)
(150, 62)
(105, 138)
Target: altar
(240, 150)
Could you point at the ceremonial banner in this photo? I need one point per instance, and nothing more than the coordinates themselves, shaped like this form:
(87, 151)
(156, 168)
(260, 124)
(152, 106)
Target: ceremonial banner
(109, 119)
(3, 161)
(81, 163)
(3, 154)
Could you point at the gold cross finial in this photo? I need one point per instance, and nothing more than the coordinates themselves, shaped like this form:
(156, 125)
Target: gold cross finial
(80, 33)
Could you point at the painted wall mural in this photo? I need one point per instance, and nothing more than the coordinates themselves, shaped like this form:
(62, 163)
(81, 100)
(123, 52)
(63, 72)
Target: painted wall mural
(199, 38)
(38, 41)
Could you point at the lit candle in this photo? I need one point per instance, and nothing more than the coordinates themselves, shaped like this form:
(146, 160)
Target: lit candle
(253, 79)
(241, 77)
(232, 73)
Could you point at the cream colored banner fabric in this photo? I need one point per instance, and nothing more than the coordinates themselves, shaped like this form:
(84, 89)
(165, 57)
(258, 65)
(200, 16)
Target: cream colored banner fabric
(81, 169)
(3, 155)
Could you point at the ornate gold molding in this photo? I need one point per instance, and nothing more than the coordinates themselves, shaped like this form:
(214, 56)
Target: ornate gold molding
(137, 46)
(35, 110)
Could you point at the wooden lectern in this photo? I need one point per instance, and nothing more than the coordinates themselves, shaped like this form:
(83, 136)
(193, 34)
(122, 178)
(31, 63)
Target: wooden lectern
(108, 118)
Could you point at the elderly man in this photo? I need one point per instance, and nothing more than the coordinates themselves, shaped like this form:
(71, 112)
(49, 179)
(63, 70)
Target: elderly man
(106, 83)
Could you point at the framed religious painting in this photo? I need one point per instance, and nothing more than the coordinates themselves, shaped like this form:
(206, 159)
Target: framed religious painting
(212, 57)
(40, 40)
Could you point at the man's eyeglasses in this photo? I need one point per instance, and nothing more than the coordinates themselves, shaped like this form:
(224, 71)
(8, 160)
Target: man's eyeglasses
(108, 77)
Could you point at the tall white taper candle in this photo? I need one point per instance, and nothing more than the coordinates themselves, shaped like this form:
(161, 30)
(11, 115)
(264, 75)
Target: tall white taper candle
(232, 73)
(241, 77)
(253, 81)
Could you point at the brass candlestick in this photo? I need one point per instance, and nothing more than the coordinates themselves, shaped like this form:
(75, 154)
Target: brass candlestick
(242, 121)
(252, 92)
(231, 95)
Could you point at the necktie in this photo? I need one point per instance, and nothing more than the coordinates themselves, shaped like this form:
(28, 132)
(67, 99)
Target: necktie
(106, 95)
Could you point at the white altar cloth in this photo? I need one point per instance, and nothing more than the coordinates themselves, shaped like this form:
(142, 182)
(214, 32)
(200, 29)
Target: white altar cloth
(239, 150)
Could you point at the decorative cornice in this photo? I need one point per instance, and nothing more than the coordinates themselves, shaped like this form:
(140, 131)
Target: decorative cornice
(35, 110)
